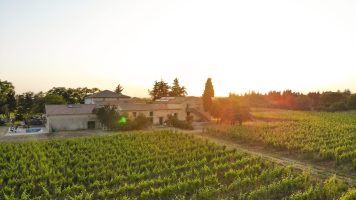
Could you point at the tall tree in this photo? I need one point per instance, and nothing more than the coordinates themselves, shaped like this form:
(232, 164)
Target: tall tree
(72, 95)
(7, 98)
(119, 89)
(208, 94)
(24, 104)
(352, 101)
(40, 100)
(108, 116)
(160, 89)
(177, 90)
(38, 103)
(61, 91)
(81, 93)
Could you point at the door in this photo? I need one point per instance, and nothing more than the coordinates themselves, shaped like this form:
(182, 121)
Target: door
(91, 125)
(160, 120)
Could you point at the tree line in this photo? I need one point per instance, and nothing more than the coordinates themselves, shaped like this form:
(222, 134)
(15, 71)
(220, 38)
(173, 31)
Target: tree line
(225, 110)
(163, 89)
(29, 103)
(236, 108)
(312, 101)
(230, 109)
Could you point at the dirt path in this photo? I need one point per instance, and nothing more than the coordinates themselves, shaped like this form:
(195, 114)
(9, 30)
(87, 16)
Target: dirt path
(317, 170)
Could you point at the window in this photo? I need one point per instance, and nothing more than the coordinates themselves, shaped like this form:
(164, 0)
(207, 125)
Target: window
(134, 114)
(151, 114)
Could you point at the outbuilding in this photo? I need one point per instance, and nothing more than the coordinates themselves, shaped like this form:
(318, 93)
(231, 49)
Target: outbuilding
(71, 117)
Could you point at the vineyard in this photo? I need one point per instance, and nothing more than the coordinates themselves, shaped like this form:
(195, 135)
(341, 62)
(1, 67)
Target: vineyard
(319, 136)
(150, 165)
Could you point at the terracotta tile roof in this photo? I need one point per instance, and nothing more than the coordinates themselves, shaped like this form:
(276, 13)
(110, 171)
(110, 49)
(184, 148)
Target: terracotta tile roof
(75, 109)
(107, 94)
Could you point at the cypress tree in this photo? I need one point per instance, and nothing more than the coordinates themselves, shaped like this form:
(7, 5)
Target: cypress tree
(208, 94)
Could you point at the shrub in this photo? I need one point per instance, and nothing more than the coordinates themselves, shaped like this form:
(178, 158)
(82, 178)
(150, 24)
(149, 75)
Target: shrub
(352, 102)
(175, 122)
(140, 122)
(113, 120)
(108, 116)
(338, 106)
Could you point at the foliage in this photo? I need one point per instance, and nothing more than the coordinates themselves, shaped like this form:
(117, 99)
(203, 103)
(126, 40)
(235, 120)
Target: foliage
(137, 165)
(160, 89)
(24, 105)
(318, 135)
(119, 89)
(208, 94)
(51, 99)
(28, 103)
(138, 123)
(177, 90)
(325, 101)
(350, 195)
(228, 111)
(175, 122)
(352, 102)
(7, 98)
(333, 187)
(2, 122)
(72, 95)
(313, 193)
(108, 116)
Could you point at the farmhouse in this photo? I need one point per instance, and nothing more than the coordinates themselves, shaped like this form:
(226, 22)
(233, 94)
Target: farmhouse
(105, 96)
(81, 117)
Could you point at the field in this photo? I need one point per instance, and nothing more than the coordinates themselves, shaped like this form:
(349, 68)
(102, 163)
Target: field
(317, 136)
(149, 165)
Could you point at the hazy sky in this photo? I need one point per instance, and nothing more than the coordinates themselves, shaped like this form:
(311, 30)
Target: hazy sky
(245, 45)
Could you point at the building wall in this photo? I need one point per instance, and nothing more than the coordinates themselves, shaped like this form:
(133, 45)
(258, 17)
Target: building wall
(179, 108)
(94, 100)
(88, 101)
(80, 122)
(70, 122)
(157, 114)
(164, 114)
(196, 103)
(138, 112)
